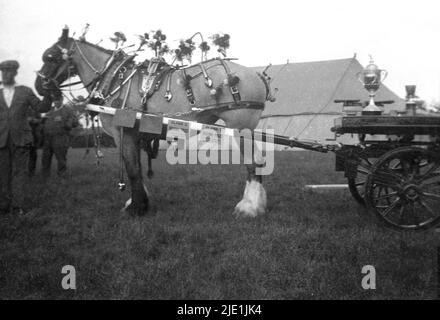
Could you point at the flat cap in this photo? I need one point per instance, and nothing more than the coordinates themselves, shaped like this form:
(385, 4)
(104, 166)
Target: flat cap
(9, 65)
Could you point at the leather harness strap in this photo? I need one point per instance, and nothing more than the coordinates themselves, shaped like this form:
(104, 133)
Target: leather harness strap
(229, 106)
(189, 92)
(232, 82)
(122, 84)
(208, 81)
(120, 79)
(116, 74)
(168, 95)
(151, 82)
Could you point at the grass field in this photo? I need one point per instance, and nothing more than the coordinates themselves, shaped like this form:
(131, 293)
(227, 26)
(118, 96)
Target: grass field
(310, 245)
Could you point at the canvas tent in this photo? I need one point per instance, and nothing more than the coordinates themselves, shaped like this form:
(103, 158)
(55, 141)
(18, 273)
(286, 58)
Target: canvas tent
(305, 107)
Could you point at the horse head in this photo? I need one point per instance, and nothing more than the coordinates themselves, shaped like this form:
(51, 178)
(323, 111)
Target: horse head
(57, 65)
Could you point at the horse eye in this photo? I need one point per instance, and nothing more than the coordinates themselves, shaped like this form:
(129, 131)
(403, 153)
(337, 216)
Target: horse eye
(48, 58)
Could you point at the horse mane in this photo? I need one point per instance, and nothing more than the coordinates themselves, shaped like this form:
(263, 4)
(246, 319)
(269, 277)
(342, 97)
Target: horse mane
(108, 51)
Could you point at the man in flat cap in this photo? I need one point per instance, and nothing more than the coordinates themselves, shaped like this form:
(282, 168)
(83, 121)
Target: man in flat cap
(15, 137)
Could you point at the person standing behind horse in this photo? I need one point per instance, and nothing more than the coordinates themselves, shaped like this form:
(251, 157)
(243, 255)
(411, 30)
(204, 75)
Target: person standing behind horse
(15, 137)
(57, 127)
(35, 123)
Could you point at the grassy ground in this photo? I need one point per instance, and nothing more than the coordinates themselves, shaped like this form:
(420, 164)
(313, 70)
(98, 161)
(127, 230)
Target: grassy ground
(310, 245)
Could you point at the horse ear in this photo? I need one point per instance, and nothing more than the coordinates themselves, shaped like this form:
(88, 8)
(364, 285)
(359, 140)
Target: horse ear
(65, 34)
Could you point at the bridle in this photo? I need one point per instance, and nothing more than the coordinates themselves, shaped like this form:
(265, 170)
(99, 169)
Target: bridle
(67, 56)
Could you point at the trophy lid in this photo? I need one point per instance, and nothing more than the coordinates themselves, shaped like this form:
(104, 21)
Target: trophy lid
(372, 67)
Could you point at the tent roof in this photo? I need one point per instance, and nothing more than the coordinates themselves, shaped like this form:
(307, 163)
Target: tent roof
(312, 87)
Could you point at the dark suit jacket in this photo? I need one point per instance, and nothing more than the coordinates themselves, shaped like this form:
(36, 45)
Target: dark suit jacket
(14, 120)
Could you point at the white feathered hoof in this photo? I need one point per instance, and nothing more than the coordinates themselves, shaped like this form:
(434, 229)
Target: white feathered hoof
(254, 201)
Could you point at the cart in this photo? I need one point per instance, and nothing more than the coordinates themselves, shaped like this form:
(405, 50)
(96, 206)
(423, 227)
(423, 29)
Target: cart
(394, 169)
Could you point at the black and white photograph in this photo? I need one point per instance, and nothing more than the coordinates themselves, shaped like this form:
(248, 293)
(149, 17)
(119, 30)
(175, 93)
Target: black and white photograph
(224, 152)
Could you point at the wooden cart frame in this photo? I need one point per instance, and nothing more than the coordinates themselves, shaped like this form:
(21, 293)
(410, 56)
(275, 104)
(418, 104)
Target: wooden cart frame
(394, 170)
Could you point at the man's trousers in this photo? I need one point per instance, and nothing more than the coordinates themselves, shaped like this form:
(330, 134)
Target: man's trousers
(13, 176)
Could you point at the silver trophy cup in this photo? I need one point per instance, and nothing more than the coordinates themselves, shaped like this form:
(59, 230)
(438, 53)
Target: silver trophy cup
(371, 78)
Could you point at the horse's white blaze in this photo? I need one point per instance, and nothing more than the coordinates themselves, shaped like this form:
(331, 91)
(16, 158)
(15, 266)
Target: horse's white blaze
(254, 200)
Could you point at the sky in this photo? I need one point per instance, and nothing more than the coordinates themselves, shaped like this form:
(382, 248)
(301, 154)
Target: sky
(402, 36)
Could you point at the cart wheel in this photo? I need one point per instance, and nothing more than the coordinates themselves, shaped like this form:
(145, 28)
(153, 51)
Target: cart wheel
(357, 185)
(403, 189)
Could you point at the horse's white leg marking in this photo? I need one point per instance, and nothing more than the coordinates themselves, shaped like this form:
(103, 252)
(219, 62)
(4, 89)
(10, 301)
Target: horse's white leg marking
(128, 202)
(254, 200)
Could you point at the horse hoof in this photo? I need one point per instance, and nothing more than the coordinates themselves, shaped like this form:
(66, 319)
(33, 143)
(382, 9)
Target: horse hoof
(254, 201)
(245, 209)
(135, 211)
(150, 174)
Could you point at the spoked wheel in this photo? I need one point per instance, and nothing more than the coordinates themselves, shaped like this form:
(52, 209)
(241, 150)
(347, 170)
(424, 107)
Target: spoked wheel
(403, 189)
(357, 185)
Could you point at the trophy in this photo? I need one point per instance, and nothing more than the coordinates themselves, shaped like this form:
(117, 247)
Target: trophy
(371, 78)
(411, 100)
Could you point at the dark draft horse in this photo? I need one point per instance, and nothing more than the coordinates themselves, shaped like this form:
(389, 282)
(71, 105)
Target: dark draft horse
(93, 64)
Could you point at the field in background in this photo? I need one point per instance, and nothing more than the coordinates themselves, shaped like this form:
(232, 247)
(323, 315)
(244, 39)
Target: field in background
(310, 245)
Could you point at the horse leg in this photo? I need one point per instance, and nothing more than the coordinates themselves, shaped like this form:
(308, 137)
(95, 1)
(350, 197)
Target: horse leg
(109, 128)
(150, 155)
(138, 204)
(254, 198)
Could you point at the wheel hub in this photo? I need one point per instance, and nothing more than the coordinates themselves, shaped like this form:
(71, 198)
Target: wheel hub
(411, 192)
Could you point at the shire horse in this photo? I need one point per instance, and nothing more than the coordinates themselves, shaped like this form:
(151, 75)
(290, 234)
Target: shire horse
(203, 92)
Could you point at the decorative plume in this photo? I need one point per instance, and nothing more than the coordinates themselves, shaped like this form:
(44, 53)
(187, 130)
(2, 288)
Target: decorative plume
(222, 42)
(143, 40)
(84, 32)
(119, 39)
(164, 50)
(205, 48)
(185, 50)
(157, 44)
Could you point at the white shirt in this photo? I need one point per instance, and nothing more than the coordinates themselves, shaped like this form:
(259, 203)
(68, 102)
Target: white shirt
(8, 94)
